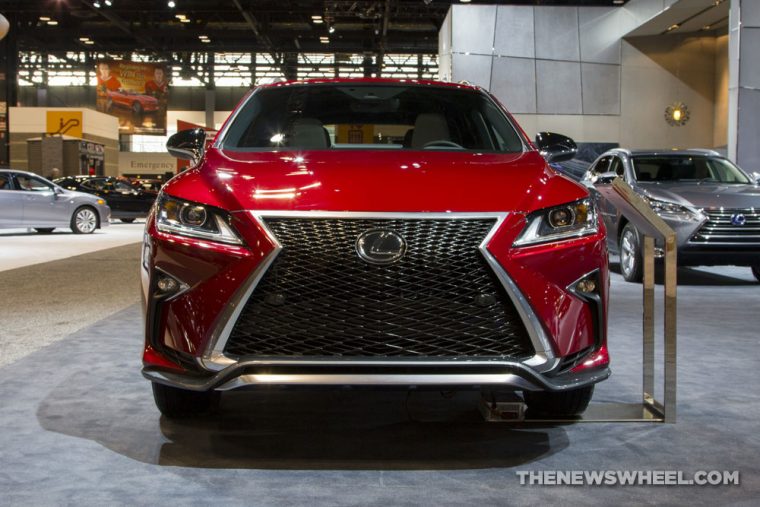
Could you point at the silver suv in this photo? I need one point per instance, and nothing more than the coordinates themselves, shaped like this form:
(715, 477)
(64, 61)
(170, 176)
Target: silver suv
(712, 204)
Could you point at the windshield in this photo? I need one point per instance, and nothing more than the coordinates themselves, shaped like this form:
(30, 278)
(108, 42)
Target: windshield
(350, 116)
(685, 168)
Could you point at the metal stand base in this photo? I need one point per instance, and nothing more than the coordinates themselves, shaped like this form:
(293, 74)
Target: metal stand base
(512, 409)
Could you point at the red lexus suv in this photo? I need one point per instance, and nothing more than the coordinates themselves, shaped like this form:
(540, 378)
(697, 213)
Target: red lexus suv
(374, 232)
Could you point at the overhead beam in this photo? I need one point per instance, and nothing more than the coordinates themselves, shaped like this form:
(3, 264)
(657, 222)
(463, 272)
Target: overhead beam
(260, 35)
(122, 25)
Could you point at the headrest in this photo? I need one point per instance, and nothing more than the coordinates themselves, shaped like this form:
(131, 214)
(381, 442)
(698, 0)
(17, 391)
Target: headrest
(429, 127)
(308, 133)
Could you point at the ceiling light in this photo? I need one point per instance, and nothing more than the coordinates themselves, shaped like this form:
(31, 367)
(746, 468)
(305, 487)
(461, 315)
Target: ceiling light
(184, 20)
(96, 4)
(465, 1)
(84, 39)
(617, 2)
(171, 4)
(316, 17)
(205, 41)
(201, 37)
(108, 3)
(317, 21)
(180, 16)
(89, 42)
(331, 29)
(44, 18)
(52, 22)
(324, 41)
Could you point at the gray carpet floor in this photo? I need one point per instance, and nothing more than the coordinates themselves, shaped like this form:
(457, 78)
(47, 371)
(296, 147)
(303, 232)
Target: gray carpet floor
(78, 427)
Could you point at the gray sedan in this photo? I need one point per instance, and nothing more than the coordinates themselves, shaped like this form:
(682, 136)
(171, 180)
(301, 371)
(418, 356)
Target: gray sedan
(29, 200)
(713, 206)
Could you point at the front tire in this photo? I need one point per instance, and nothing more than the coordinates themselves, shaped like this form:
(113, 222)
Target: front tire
(180, 403)
(558, 404)
(84, 220)
(44, 230)
(756, 272)
(630, 254)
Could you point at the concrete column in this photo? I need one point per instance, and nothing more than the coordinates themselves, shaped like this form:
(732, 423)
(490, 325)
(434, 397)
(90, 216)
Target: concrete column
(42, 96)
(210, 107)
(744, 84)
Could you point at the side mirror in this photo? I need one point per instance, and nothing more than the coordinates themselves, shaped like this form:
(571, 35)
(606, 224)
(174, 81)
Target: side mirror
(187, 144)
(555, 147)
(606, 178)
(57, 190)
(756, 176)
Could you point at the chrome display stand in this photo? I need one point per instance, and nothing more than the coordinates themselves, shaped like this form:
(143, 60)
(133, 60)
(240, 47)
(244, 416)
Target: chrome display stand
(650, 409)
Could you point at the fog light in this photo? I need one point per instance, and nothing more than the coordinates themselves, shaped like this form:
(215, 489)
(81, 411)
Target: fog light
(167, 284)
(586, 286)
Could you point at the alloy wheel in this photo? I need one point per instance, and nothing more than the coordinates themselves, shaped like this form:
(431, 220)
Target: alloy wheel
(628, 252)
(86, 221)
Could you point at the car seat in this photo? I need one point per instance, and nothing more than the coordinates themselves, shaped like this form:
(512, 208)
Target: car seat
(309, 133)
(429, 127)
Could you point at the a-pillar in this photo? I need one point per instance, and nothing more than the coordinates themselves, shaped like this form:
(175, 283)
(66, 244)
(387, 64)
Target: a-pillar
(744, 84)
(210, 92)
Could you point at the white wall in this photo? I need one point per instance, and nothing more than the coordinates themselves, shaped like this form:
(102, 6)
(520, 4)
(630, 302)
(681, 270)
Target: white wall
(570, 70)
(657, 72)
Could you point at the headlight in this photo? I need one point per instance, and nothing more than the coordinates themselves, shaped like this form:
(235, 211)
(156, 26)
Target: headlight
(672, 210)
(561, 222)
(176, 216)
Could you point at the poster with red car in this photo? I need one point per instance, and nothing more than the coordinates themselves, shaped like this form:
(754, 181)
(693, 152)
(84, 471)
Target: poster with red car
(136, 93)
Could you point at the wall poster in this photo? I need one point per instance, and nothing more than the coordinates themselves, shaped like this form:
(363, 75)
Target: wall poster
(136, 93)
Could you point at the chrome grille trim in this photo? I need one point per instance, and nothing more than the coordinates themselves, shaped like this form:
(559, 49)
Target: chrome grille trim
(215, 359)
(718, 229)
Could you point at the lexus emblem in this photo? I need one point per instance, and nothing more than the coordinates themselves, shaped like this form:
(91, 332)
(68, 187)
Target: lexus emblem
(380, 246)
(738, 219)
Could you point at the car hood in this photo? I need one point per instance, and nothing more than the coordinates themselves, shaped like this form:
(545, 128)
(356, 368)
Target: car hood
(705, 195)
(82, 196)
(375, 180)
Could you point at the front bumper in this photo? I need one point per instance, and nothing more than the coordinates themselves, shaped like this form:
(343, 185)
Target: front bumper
(421, 374)
(185, 345)
(692, 252)
(104, 215)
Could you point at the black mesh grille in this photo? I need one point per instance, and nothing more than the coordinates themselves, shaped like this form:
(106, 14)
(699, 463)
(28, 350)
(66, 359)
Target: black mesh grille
(318, 298)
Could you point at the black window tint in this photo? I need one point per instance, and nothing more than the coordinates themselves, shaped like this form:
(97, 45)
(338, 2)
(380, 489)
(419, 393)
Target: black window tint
(617, 166)
(687, 168)
(371, 116)
(95, 184)
(600, 167)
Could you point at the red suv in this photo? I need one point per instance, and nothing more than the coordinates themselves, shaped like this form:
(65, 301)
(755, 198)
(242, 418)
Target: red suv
(374, 233)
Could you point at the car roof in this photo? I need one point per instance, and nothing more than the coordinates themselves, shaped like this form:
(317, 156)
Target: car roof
(692, 152)
(19, 171)
(377, 81)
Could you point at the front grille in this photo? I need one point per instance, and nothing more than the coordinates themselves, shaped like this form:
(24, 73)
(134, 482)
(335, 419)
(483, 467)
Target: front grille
(318, 298)
(719, 228)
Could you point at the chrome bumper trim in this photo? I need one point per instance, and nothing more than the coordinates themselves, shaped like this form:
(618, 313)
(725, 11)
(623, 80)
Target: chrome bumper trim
(506, 375)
